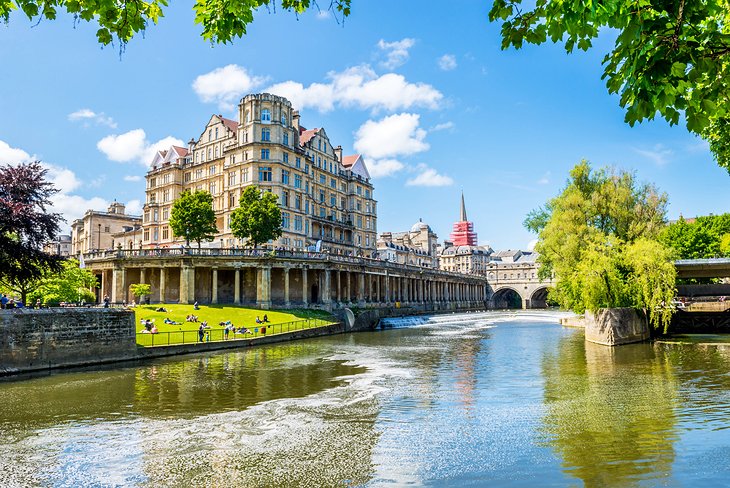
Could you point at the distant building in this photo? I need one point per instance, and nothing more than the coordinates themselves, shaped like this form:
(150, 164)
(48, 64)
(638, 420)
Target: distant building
(96, 230)
(417, 246)
(461, 254)
(60, 246)
(512, 265)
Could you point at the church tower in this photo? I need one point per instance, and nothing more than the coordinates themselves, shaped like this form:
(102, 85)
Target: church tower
(463, 232)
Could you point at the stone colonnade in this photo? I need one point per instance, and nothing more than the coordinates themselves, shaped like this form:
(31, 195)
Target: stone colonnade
(285, 285)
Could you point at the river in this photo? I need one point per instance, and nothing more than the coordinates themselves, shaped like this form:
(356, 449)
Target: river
(482, 399)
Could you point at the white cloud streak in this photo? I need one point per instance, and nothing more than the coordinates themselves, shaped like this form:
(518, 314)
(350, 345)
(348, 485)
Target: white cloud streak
(394, 135)
(447, 62)
(88, 116)
(659, 155)
(429, 177)
(225, 86)
(396, 53)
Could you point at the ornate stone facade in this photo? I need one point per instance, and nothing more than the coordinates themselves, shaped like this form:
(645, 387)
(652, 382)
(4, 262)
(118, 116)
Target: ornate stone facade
(327, 199)
(416, 246)
(96, 230)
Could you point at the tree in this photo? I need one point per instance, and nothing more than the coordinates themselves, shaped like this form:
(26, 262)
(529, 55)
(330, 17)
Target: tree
(69, 284)
(257, 218)
(702, 238)
(221, 21)
(140, 290)
(25, 226)
(193, 218)
(670, 56)
(598, 239)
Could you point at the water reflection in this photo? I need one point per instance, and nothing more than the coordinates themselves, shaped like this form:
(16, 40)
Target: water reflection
(610, 412)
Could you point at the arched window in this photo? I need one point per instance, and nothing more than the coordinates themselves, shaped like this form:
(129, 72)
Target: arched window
(265, 115)
(283, 119)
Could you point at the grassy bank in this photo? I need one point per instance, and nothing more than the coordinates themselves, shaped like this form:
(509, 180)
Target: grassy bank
(186, 332)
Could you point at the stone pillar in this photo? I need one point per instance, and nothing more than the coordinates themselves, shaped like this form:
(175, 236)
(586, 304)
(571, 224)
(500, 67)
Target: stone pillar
(214, 282)
(305, 291)
(237, 287)
(387, 287)
(163, 284)
(377, 289)
(118, 288)
(187, 284)
(142, 273)
(286, 288)
(422, 290)
(263, 287)
(326, 288)
(348, 299)
(361, 289)
(338, 295)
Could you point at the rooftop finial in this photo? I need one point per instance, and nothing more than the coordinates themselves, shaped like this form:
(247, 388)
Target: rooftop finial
(462, 215)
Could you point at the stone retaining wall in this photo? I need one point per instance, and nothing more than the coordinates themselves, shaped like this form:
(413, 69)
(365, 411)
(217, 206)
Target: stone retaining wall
(616, 326)
(51, 338)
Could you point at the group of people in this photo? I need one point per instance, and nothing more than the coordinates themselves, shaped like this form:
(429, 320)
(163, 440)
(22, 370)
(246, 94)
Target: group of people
(149, 326)
(191, 318)
(265, 321)
(8, 303)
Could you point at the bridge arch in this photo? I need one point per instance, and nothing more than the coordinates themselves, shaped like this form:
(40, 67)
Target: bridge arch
(538, 298)
(507, 297)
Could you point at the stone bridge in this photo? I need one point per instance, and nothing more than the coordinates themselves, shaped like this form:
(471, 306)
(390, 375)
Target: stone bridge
(516, 285)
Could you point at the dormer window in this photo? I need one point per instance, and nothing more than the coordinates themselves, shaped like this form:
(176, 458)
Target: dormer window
(265, 115)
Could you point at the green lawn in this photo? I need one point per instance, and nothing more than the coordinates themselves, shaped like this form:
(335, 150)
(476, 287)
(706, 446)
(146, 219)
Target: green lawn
(187, 332)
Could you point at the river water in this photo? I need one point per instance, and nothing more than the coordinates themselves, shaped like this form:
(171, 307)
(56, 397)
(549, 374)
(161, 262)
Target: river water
(488, 399)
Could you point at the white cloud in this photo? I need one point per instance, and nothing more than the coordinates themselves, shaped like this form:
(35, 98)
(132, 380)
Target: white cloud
(379, 168)
(12, 155)
(545, 179)
(391, 136)
(447, 62)
(73, 207)
(442, 126)
(323, 15)
(396, 53)
(132, 178)
(133, 146)
(89, 116)
(133, 207)
(659, 155)
(429, 177)
(531, 245)
(226, 85)
(360, 87)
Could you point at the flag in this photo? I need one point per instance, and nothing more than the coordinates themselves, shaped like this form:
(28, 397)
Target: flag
(81, 261)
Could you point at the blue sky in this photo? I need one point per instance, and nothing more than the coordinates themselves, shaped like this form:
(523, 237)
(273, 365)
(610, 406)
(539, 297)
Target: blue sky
(424, 92)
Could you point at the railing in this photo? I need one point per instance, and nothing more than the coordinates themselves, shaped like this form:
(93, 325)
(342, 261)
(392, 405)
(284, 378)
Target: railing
(217, 333)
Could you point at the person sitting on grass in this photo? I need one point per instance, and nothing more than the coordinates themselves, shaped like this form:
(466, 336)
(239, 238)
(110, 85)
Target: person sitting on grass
(171, 322)
(266, 319)
(258, 320)
(195, 305)
(161, 309)
(154, 330)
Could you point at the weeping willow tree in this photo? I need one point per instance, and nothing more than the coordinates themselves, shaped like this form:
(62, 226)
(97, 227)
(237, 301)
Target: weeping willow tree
(598, 239)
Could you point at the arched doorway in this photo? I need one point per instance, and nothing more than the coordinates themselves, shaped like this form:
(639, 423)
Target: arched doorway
(507, 298)
(315, 294)
(539, 298)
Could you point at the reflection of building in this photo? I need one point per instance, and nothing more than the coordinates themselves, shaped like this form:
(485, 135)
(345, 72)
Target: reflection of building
(417, 246)
(462, 254)
(61, 246)
(96, 230)
(324, 196)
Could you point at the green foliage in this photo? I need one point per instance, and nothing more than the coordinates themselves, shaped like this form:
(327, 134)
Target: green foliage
(258, 217)
(703, 238)
(598, 239)
(140, 289)
(70, 284)
(192, 217)
(222, 20)
(669, 58)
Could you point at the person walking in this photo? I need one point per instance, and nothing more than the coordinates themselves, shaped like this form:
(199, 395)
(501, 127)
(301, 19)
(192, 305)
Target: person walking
(201, 333)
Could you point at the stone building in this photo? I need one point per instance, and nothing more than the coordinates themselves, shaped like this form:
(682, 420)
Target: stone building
(96, 230)
(416, 246)
(326, 199)
(61, 246)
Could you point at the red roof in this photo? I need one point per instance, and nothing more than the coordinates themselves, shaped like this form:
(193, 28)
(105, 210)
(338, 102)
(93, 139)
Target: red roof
(350, 160)
(181, 151)
(306, 135)
(231, 124)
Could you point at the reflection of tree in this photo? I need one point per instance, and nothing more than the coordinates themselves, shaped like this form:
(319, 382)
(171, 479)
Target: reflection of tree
(610, 411)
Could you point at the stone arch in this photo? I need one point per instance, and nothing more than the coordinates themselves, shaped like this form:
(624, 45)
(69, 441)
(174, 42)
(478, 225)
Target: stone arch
(507, 298)
(538, 299)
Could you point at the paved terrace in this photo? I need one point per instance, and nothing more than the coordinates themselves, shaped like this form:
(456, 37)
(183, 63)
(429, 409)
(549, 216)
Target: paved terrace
(282, 279)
